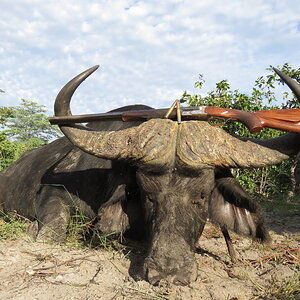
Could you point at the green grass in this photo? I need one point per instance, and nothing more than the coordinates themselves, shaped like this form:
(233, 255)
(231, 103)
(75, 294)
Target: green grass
(12, 227)
(81, 233)
(289, 289)
(281, 207)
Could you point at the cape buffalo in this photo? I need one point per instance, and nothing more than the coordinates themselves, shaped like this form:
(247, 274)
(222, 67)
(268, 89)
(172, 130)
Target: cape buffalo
(175, 171)
(156, 178)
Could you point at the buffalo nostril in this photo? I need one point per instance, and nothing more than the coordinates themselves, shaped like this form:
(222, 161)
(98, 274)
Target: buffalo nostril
(181, 281)
(156, 278)
(153, 276)
(178, 282)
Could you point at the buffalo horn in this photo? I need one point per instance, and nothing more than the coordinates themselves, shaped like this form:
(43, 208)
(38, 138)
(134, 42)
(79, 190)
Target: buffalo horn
(292, 84)
(132, 144)
(160, 142)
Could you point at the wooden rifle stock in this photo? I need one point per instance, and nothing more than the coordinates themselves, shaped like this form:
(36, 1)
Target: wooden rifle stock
(281, 119)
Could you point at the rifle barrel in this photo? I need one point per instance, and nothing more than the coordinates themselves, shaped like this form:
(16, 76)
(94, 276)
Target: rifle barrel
(187, 114)
(61, 120)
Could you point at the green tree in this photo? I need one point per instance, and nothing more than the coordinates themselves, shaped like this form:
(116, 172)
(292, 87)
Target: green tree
(28, 122)
(268, 180)
(7, 151)
(24, 127)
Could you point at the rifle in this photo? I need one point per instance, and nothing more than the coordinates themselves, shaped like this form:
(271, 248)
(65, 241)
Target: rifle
(281, 119)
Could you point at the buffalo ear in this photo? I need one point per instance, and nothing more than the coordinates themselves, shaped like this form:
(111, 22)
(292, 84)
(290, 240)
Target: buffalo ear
(231, 207)
(112, 218)
(123, 213)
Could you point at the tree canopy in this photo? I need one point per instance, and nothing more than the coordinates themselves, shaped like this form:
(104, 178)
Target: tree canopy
(23, 127)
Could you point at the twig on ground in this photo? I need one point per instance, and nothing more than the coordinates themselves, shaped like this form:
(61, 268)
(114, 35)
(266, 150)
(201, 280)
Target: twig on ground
(62, 263)
(289, 255)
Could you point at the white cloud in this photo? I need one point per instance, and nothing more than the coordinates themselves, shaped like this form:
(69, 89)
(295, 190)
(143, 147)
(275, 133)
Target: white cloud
(149, 51)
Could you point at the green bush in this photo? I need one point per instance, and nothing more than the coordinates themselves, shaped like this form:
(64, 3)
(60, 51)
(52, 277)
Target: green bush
(267, 181)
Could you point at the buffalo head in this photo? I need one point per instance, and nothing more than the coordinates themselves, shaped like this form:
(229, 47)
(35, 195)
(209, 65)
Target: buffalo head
(176, 174)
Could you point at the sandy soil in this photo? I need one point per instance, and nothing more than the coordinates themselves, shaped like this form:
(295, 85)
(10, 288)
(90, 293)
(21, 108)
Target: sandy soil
(30, 270)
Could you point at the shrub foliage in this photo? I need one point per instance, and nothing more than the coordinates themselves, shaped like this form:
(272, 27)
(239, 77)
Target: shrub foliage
(265, 95)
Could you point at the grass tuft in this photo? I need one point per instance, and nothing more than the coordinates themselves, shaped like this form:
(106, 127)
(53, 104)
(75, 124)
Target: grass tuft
(82, 233)
(288, 289)
(12, 227)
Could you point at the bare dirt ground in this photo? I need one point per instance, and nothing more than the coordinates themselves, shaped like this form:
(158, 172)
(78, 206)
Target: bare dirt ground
(31, 270)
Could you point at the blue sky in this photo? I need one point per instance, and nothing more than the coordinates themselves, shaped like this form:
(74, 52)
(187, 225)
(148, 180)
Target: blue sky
(149, 51)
